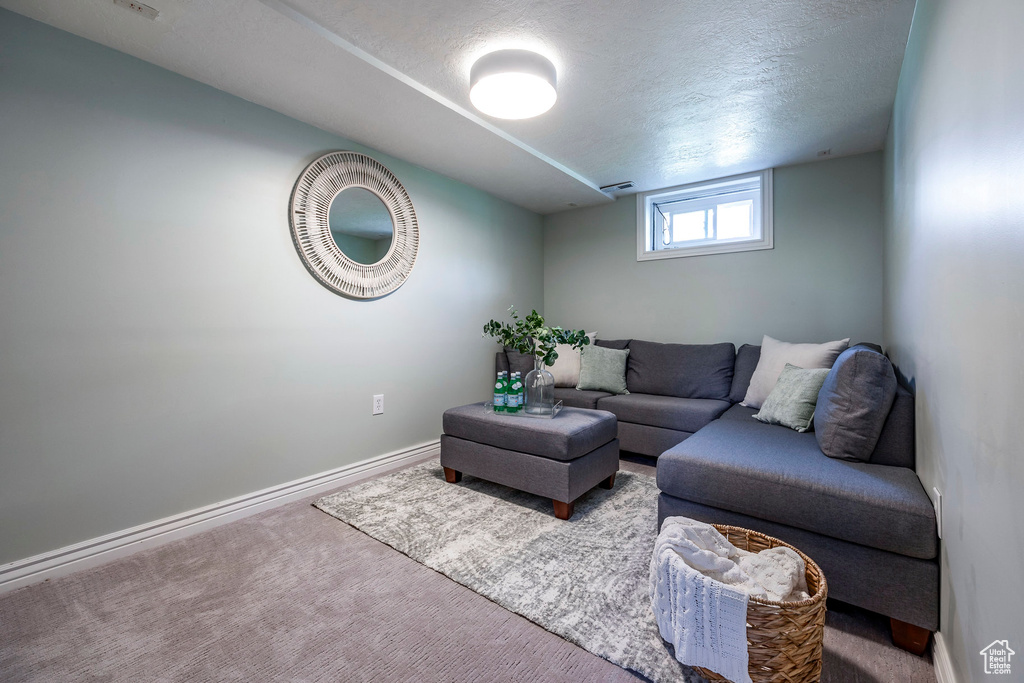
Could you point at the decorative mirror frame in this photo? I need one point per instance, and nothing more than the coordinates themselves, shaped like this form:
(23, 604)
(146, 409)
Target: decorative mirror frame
(314, 191)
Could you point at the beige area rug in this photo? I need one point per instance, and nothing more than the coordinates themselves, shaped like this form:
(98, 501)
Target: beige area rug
(584, 579)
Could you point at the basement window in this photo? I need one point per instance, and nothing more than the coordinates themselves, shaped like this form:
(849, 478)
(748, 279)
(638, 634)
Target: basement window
(713, 217)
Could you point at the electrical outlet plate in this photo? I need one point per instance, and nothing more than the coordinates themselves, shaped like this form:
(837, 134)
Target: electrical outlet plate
(378, 404)
(937, 502)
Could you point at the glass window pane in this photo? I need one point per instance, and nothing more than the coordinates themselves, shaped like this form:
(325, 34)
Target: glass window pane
(713, 217)
(735, 219)
(689, 226)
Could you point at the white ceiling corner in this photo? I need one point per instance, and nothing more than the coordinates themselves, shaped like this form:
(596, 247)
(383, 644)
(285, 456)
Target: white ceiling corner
(663, 93)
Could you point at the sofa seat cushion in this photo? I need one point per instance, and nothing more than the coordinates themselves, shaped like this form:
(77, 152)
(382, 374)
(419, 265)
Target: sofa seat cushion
(572, 397)
(779, 475)
(573, 433)
(648, 440)
(896, 443)
(681, 414)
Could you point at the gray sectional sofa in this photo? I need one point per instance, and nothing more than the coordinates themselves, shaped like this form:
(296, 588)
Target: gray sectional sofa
(869, 525)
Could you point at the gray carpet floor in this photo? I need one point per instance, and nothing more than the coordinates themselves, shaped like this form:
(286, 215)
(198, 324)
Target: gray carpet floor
(293, 594)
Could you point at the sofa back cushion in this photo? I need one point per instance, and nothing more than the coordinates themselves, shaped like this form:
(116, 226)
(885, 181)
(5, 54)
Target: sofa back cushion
(746, 362)
(853, 404)
(617, 344)
(680, 370)
(896, 442)
(500, 362)
(519, 362)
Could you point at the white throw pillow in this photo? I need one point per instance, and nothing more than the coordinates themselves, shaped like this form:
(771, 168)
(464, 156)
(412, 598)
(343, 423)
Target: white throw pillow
(566, 369)
(774, 356)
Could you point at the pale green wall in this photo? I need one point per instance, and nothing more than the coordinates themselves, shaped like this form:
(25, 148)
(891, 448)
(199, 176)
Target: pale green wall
(822, 281)
(954, 302)
(162, 347)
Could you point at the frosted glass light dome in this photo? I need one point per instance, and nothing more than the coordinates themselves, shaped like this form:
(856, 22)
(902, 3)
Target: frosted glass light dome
(512, 84)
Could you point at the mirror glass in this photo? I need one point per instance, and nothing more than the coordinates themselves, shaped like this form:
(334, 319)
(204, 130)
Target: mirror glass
(360, 225)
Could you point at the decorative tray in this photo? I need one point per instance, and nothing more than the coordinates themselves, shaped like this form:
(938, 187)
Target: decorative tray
(489, 407)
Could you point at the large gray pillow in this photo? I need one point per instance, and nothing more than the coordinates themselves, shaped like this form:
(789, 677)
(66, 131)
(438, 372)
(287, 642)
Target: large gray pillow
(603, 369)
(853, 404)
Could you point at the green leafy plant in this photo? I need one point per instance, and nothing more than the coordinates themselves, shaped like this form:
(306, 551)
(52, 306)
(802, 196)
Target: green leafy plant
(531, 336)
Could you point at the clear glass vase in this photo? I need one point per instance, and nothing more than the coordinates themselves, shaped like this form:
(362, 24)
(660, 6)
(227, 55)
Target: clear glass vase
(540, 389)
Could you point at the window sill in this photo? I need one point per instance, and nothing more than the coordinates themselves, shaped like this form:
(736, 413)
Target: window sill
(754, 245)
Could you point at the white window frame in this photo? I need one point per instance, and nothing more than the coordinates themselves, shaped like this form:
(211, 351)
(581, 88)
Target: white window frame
(645, 208)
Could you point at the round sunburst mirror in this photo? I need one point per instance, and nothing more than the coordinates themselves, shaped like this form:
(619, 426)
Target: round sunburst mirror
(354, 225)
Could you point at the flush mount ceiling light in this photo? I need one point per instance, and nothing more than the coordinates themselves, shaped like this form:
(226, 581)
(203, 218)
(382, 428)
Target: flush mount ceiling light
(512, 84)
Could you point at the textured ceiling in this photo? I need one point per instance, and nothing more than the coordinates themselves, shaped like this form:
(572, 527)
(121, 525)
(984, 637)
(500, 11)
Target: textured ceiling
(661, 92)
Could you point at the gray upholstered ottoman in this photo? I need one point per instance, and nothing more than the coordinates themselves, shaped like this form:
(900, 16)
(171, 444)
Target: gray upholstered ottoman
(561, 458)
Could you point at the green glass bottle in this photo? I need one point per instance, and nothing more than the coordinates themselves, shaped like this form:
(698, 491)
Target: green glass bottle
(515, 394)
(500, 393)
(510, 396)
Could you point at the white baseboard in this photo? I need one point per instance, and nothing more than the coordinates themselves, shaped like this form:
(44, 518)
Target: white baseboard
(97, 551)
(941, 661)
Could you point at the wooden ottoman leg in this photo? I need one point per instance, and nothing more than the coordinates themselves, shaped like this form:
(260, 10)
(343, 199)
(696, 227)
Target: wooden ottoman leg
(608, 483)
(913, 639)
(563, 510)
(452, 476)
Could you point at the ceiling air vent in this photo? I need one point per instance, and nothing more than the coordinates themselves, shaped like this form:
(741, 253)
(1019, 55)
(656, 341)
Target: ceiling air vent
(138, 8)
(618, 187)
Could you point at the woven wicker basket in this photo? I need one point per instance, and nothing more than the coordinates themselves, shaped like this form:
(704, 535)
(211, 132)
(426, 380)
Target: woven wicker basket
(783, 638)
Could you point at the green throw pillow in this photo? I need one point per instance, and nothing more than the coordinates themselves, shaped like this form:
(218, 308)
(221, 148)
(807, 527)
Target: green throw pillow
(603, 369)
(791, 403)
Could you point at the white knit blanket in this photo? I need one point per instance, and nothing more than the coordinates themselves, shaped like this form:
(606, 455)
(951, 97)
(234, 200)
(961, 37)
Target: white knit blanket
(699, 587)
